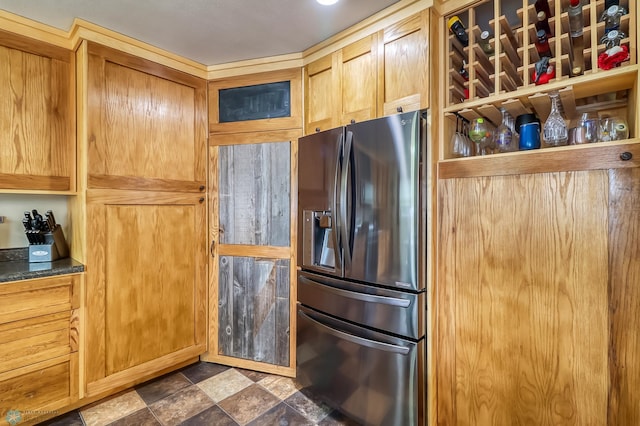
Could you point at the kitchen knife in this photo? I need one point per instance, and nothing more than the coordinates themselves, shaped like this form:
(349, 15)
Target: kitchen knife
(49, 220)
(37, 217)
(53, 219)
(26, 221)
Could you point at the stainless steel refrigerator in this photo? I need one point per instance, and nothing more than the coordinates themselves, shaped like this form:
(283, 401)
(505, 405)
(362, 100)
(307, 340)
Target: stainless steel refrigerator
(362, 264)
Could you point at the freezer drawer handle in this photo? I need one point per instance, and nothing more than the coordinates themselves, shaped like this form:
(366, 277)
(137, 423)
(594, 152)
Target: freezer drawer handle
(383, 300)
(358, 340)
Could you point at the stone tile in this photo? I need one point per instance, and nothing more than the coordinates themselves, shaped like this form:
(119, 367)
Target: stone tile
(248, 404)
(112, 409)
(281, 414)
(72, 418)
(143, 417)
(210, 416)
(314, 410)
(202, 370)
(253, 375)
(336, 418)
(282, 387)
(181, 406)
(224, 384)
(162, 387)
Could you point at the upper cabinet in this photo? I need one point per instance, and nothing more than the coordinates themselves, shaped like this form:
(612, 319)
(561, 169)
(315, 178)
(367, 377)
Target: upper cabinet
(403, 64)
(37, 113)
(146, 124)
(381, 74)
(256, 102)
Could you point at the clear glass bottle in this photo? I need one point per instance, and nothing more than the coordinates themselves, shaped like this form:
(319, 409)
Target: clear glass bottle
(555, 128)
(612, 38)
(503, 136)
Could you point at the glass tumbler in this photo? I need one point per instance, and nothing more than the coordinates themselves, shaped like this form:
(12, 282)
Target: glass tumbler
(587, 128)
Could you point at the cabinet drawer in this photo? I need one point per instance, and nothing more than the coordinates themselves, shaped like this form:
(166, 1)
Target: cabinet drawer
(35, 390)
(32, 298)
(34, 340)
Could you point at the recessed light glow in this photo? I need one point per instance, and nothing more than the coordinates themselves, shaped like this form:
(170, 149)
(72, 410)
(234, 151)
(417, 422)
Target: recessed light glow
(327, 2)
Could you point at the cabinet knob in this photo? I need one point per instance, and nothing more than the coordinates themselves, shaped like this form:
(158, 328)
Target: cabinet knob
(399, 109)
(353, 121)
(201, 187)
(626, 156)
(317, 129)
(201, 200)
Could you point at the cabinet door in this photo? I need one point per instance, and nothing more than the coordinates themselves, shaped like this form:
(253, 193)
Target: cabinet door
(146, 286)
(322, 94)
(37, 126)
(358, 76)
(522, 299)
(403, 65)
(252, 229)
(146, 124)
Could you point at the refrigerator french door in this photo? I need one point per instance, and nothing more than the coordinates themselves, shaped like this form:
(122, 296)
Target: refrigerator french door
(361, 303)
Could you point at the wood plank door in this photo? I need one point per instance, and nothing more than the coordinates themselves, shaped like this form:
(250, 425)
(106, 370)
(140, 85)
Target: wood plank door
(252, 265)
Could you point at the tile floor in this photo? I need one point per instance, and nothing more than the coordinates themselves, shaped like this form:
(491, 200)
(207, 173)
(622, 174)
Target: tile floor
(208, 394)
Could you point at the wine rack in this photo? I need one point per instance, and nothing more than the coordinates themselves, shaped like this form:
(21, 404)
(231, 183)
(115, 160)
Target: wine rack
(479, 84)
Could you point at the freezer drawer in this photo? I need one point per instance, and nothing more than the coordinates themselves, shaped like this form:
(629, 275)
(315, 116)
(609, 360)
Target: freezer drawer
(374, 378)
(392, 311)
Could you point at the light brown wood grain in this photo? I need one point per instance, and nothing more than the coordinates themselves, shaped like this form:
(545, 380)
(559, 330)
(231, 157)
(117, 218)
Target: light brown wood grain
(359, 77)
(321, 94)
(522, 292)
(403, 65)
(36, 115)
(144, 121)
(146, 299)
(624, 296)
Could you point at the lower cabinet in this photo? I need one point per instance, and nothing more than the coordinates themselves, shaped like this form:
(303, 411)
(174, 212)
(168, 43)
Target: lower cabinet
(538, 299)
(146, 285)
(38, 347)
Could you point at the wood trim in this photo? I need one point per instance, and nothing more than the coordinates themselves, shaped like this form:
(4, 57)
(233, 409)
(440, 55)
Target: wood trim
(115, 196)
(33, 182)
(17, 40)
(214, 237)
(254, 137)
(144, 184)
(129, 376)
(293, 261)
(577, 157)
(254, 251)
(251, 365)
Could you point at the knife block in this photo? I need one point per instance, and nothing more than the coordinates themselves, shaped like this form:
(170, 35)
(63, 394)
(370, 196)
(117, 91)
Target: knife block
(54, 247)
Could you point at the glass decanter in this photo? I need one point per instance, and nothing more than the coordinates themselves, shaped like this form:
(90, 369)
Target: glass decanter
(503, 137)
(555, 128)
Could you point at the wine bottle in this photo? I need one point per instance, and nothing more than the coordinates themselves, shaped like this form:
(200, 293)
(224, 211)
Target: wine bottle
(543, 5)
(457, 28)
(542, 44)
(484, 43)
(543, 23)
(576, 27)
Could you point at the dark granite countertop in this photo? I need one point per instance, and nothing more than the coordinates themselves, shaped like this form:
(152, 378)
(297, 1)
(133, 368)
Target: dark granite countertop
(15, 266)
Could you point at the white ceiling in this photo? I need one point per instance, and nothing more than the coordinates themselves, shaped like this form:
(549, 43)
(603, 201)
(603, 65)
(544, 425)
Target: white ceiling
(210, 32)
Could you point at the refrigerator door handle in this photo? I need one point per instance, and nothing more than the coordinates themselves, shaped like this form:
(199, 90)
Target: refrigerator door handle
(382, 300)
(357, 340)
(336, 226)
(345, 218)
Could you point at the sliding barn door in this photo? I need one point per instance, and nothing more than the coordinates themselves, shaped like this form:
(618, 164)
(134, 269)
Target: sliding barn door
(252, 250)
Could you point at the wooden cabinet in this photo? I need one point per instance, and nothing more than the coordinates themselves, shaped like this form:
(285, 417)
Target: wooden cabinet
(537, 302)
(146, 284)
(140, 222)
(39, 340)
(146, 124)
(380, 74)
(37, 137)
(403, 65)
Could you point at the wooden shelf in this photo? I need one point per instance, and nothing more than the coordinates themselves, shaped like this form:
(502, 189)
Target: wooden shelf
(594, 156)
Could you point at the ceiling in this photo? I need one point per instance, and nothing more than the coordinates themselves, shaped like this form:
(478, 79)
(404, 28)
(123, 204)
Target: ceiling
(210, 32)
